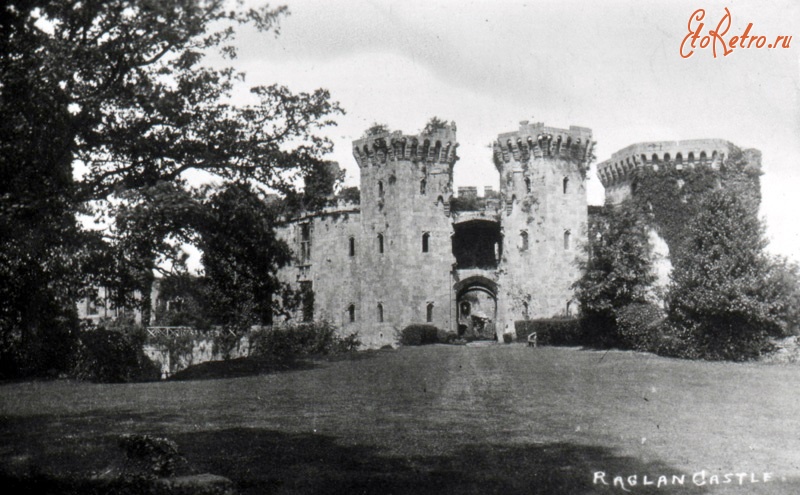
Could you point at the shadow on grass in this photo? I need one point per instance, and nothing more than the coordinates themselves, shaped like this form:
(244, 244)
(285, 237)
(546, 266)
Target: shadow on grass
(253, 366)
(261, 461)
(236, 368)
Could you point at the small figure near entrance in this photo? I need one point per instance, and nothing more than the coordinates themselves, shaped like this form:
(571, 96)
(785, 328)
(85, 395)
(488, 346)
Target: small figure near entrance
(479, 323)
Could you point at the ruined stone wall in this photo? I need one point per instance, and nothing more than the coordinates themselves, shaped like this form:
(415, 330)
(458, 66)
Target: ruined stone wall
(402, 268)
(335, 275)
(670, 179)
(543, 189)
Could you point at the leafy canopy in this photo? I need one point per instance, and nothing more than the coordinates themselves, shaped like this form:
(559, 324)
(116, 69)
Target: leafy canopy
(107, 106)
(725, 289)
(618, 269)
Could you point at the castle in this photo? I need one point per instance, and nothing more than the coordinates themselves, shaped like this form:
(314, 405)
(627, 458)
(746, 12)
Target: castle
(402, 256)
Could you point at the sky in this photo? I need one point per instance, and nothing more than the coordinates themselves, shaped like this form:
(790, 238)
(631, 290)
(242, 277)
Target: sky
(612, 66)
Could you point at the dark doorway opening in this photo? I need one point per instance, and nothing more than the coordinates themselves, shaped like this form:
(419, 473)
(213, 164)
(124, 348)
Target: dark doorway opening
(477, 244)
(477, 311)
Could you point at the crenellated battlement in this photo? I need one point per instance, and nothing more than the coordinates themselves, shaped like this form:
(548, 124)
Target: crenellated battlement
(619, 168)
(437, 147)
(539, 141)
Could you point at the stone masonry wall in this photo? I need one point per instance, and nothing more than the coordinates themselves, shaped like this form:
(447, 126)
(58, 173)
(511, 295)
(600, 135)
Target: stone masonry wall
(406, 185)
(335, 276)
(621, 173)
(543, 187)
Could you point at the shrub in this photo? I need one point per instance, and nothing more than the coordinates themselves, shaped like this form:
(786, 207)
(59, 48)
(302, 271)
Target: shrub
(46, 348)
(417, 334)
(673, 340)
(349, 343)
(682, 340)
(638, 326)
(177, 344)
(723, 286)
(149, 457)
(551, 331)
(113, 356)
(301, 339)
(445, 337)
(599, 329)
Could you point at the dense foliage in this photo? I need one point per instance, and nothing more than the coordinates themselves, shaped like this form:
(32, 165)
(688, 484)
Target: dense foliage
(182, 302)
(670, 197)
(551, 331)
(721, 290)
(112, 353)
(617, 271)
(320, 184)
(319, 338)
(784, 275)
(241, 253)
(726, 299)
(639, 326)
(420, 334)
(351, 195)
(107, 106)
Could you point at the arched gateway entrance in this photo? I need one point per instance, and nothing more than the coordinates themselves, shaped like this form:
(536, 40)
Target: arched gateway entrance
(476, 306)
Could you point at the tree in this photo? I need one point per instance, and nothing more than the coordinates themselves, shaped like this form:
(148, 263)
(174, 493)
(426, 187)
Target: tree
(106, 106)
(434, 124)
(617, 271)
(183, 300)
(723, 291)
(241, 254)
(320, 182)
(375, 129)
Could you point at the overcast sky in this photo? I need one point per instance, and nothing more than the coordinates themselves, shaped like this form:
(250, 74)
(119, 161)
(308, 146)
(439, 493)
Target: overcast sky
(611, 66)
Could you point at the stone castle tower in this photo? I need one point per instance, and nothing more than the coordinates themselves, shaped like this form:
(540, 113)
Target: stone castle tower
(406, 185)
(543, 190)
(402, 256)
(618, 173)
(623, 173)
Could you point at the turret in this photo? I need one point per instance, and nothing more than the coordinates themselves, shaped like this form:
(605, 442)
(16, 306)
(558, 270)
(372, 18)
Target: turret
(406, 185)
(439, 147)
(617, 173)
(542, 186)
(424, 164)
(514, 152)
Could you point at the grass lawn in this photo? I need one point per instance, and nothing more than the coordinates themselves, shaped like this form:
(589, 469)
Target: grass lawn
(435, 419)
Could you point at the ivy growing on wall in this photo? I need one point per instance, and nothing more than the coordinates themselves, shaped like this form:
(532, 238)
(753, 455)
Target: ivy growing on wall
(669, 197)
(723, 302)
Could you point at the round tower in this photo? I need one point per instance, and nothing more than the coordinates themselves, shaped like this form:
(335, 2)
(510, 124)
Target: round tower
(628, 167)
(617, 174)
(544, 215)
(405, 247)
